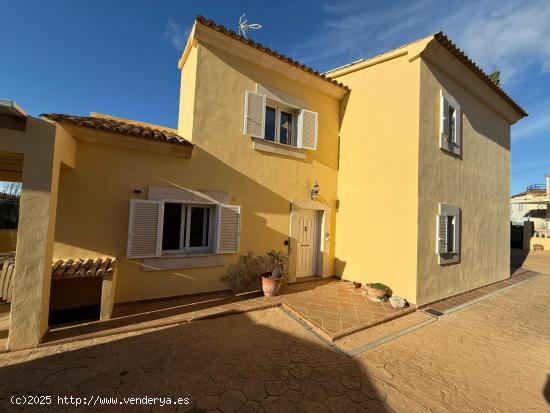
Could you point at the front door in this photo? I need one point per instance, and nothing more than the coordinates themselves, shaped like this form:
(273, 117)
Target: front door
(308, 243)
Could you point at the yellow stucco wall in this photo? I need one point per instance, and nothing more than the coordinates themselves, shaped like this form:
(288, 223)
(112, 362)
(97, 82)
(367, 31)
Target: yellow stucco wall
(187, 95)
(378, 181)
(545, 242)
(478, 183)
(94, 197)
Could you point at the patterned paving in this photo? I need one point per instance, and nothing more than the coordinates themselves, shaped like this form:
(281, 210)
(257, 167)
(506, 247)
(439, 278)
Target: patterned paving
(329, 306)
(492, 357)
(337, 309)
(460, 300)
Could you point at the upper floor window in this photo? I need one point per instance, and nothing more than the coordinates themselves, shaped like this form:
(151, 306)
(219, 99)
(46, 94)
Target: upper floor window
(450, 124)
(278, 122)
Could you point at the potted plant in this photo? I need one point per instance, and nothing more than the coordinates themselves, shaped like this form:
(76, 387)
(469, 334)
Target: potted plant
(271, 281)
(376, 291)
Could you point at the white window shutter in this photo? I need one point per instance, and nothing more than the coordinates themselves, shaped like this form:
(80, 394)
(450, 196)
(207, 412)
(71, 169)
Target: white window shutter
(254, 114)
(145, 228)
(441, 234)
(445, 124)
(445, 116)
(307, 129)
(458, 131)
(229, 229)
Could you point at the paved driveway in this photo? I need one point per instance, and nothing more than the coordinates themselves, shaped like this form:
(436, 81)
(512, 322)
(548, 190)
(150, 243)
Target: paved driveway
(491, 357)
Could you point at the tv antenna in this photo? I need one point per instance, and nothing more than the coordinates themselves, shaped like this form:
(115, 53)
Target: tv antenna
(244, 26)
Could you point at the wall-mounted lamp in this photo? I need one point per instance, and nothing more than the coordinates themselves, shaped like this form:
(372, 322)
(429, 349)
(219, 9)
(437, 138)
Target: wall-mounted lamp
(315, 190)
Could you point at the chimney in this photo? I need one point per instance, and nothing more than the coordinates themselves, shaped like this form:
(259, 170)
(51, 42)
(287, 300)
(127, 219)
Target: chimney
(547, 185)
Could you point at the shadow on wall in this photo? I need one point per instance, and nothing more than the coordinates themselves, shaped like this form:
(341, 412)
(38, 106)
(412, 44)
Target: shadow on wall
(339, 267)
(103, 226)
(518, 257)
(260, 74)
(546, 391)
(241, 361)
(477, 119)
(100, 228)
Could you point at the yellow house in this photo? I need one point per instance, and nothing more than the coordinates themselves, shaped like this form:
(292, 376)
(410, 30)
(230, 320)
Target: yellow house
(269, 155)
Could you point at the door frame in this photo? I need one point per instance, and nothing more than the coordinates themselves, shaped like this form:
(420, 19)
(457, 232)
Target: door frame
(324, 263)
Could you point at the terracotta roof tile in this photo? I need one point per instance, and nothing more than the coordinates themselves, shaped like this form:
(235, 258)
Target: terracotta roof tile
(444, 41)
(117, 126)
(83, 267)
(230, 33)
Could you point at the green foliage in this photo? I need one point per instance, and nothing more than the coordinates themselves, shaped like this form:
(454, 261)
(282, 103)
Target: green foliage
(278, 267)
(495, 77)
(378, 286)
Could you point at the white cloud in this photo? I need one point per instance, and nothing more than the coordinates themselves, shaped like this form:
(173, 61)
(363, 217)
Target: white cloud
(176, 35)
(505, 34)
(537, 125)
(511, 36)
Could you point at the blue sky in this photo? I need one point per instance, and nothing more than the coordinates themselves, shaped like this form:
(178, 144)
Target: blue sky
(120, 57)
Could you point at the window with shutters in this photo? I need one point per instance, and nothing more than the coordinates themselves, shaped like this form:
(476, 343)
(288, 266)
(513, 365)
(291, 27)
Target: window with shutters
(187, 227)
(279, 122)
(450, 124)
(159, 228)
(448, 234)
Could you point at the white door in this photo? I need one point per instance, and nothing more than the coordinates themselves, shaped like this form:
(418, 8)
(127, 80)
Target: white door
(307, 242)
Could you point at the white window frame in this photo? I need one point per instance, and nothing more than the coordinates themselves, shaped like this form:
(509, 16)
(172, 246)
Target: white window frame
(293, 130)
(446, 211)
(185, 227)
(451, 142)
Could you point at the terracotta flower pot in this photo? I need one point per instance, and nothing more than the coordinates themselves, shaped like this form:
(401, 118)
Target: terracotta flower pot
(271, 286)
(374, 292)
(356, 284)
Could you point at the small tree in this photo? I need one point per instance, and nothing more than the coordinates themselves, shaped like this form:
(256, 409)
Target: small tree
(495, 77)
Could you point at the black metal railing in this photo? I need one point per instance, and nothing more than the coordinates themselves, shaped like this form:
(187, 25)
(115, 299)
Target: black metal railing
(536, 188)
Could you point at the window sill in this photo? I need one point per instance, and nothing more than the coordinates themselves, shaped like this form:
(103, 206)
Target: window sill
(186, 254)
(179, 260)
(449, 258)
(278, 148)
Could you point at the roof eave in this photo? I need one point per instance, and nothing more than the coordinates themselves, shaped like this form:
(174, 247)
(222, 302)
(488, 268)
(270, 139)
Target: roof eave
(446, 43)
(203, 27)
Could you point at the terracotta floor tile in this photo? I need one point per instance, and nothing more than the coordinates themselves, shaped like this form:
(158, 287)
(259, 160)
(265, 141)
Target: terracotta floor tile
(314, 313)
(331, 309)
(316, 321)
(315, 307)
(330, 316)
(332, 326)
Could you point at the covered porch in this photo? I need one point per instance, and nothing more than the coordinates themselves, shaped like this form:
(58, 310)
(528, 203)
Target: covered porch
(32, 151)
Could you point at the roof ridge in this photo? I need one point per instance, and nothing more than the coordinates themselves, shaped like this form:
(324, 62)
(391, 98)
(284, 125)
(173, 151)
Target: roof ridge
(249, 42)
(366, 59)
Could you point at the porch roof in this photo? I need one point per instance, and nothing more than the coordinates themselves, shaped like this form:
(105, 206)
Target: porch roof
(119, 126)
(83, 267)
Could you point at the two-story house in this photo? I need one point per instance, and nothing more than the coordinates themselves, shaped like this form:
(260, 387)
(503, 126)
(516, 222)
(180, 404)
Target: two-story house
(392, 169)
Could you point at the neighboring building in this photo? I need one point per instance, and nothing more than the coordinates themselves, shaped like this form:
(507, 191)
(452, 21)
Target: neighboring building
(420, 130)
(531, 205)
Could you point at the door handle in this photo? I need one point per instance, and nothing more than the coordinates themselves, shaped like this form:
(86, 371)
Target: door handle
(304, 245)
